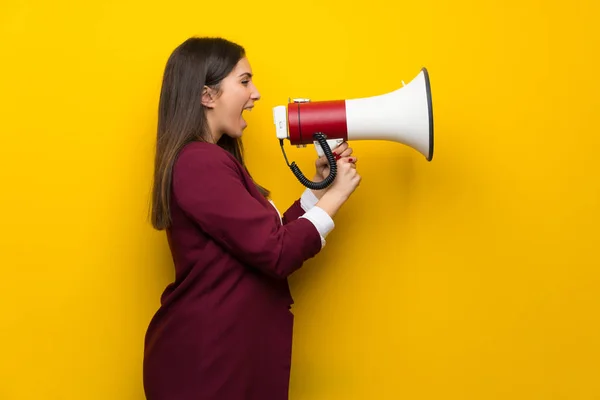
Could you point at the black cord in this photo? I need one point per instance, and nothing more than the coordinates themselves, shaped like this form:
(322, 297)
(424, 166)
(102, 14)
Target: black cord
(330, 158)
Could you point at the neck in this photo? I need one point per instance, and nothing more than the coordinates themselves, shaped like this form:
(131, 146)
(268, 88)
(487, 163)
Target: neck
(213, 132)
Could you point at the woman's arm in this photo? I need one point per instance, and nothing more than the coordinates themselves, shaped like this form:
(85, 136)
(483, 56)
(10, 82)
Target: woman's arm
(300, 206)
(209, 187)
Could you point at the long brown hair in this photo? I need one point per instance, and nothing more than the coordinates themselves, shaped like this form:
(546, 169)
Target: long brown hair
(181, 116)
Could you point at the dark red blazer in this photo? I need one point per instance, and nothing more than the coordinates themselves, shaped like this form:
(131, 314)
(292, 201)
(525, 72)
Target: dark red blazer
(226, 316)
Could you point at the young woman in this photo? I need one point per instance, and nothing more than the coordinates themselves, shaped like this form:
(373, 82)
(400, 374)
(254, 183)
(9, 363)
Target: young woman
(224, 327)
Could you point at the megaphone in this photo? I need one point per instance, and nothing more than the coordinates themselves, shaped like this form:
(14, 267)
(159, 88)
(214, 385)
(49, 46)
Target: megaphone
(404, 116)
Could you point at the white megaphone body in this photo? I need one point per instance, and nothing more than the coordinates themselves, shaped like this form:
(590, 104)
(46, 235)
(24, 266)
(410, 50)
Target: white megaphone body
(404, 116)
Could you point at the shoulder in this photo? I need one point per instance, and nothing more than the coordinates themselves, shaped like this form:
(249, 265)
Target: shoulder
(207, 157)
(205, 152)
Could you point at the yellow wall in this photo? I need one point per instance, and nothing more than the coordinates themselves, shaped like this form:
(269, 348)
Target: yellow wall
(471, 277)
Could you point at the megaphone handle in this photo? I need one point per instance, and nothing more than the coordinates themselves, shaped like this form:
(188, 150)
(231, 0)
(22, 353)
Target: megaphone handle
(333, 144)
(319, 138)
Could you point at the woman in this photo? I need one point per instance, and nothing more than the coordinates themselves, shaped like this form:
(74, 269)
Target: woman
(224, 328)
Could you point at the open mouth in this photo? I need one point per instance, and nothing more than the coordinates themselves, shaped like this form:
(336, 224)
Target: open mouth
(248, 109)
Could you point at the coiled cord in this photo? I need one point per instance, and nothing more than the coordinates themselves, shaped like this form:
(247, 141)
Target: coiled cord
(330, 158)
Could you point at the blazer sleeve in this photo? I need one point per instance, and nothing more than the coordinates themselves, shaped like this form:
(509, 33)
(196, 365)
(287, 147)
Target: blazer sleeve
(307, 201)
(209, 188)
(294, 212)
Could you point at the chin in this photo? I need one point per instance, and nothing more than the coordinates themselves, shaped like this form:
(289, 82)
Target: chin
(234, 135)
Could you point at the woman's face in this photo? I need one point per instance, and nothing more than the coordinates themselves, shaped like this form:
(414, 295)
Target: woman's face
(237, 94)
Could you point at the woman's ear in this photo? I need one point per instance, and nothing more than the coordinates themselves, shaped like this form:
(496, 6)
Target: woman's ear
(208, 99)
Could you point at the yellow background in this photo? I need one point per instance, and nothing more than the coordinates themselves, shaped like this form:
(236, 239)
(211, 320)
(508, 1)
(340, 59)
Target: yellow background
(475, 276)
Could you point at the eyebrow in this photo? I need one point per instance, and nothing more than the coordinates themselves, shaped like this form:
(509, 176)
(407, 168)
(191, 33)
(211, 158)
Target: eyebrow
(248, 74)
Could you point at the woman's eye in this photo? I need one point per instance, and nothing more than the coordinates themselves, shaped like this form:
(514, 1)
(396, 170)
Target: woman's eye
(245, 82)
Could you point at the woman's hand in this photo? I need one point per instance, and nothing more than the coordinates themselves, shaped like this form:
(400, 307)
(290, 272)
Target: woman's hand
(346, 182)
(322, 166)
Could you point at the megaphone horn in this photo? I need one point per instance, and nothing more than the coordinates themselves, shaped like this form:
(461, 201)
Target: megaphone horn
(404, 116)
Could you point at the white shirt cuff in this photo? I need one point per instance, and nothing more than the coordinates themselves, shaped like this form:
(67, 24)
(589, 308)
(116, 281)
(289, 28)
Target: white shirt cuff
(308, 200)
(321, 220)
